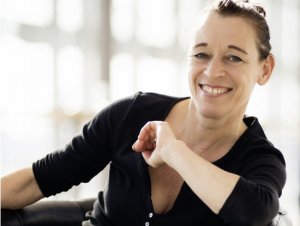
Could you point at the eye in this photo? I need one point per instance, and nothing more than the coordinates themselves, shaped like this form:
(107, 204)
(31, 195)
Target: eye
(201, 56)
(233, 58)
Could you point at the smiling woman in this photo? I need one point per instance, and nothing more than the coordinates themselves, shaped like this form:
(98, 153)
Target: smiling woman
(226, 62)
(173, 160)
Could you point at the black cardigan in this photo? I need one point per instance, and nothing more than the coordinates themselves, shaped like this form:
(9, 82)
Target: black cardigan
(108, 138)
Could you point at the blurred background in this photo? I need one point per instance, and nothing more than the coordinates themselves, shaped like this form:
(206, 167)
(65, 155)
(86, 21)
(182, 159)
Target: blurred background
(62, 61)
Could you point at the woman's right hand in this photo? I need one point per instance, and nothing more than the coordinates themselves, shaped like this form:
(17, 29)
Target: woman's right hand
(153, 141)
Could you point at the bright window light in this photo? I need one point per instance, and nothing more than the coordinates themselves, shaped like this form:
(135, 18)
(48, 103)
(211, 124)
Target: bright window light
(156, 23)
(69, 15)
(32, 12)
(122, 76)
(122, 20)
(70, 80)
(157, 75)
(26, 76)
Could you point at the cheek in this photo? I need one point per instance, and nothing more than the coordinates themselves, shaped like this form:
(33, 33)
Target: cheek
(193, 76)
(251, 80)
(190, 78)
(246, 86)
(194, 70)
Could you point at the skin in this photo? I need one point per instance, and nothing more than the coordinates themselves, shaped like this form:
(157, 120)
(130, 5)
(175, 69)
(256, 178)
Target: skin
(224, 68)
(19, 189)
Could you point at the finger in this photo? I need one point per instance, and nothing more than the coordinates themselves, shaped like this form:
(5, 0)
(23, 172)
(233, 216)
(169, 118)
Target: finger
(146, 155)
(138, 146)
(134, 146)
(146, 138)
(144, 145)
(151, 145)
(148, 131)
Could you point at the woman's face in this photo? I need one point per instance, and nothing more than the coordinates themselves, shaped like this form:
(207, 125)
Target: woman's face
(224, 66)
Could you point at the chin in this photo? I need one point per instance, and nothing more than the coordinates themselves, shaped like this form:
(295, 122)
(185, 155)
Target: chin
(212, 112)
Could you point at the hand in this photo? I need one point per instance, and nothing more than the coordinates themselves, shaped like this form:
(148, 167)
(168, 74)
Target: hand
(152, 142)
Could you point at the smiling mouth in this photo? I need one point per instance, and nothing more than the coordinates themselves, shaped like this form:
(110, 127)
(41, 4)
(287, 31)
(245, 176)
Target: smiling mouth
(215, 91)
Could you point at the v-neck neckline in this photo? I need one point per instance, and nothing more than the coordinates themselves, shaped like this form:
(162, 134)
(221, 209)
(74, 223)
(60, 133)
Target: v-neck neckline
(147, 179)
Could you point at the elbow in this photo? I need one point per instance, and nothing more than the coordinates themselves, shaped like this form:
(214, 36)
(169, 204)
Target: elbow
(257, 213)
(254, 206)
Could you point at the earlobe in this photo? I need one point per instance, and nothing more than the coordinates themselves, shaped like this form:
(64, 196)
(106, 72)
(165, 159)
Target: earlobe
(267, 68)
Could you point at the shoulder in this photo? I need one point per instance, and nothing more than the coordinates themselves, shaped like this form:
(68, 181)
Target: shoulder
(252, 150)
(139, 106)
(256, 140)
(256, 159)
(145, 101)
(255, 153)
(155, 98)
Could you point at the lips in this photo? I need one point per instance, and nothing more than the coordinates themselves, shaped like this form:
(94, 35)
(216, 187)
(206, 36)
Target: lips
(214, 91)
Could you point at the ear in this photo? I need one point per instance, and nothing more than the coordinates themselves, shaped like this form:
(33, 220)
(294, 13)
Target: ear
(267, 68)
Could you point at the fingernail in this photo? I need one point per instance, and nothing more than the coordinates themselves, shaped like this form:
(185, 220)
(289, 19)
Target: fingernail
(133, 146)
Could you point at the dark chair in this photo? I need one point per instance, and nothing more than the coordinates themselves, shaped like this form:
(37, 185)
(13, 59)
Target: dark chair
(72, 213)
(48, 213)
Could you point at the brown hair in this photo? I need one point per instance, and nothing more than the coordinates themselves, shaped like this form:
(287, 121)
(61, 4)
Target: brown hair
(255, 15)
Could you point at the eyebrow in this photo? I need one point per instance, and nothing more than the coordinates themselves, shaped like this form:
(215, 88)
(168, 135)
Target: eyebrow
(203, 44)
(237, 48)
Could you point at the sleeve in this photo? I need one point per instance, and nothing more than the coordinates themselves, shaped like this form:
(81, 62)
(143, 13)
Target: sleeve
(255, 198)
(85, 156)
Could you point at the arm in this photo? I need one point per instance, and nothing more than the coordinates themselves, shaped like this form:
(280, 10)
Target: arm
(249, 199)
(167, 149)
(19, 189)
(218, 183)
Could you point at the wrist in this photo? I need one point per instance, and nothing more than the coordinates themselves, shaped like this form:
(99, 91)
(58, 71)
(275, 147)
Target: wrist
(172, 150)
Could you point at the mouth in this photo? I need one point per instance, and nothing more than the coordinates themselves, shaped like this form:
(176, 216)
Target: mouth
(214, 91)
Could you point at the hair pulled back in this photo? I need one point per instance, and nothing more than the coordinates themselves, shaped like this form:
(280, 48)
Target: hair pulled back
(254, 14)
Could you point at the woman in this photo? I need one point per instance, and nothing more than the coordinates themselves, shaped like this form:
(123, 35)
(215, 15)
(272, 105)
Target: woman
(179, 161)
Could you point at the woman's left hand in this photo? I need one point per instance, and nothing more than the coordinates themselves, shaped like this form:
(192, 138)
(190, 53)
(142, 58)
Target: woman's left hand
(153, 142)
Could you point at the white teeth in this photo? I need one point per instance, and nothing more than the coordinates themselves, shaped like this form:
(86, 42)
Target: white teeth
(214, 91)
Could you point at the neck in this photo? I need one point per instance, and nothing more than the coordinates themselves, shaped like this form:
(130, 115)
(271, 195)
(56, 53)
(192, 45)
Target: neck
(210, 137)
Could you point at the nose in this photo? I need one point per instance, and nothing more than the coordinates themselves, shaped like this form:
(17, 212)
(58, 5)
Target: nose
(214, 68)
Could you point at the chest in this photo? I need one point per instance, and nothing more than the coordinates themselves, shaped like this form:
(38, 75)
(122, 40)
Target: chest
(165, 188)
(138, 194)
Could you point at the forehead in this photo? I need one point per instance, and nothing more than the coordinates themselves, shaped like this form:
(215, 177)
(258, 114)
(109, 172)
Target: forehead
(216, 29)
